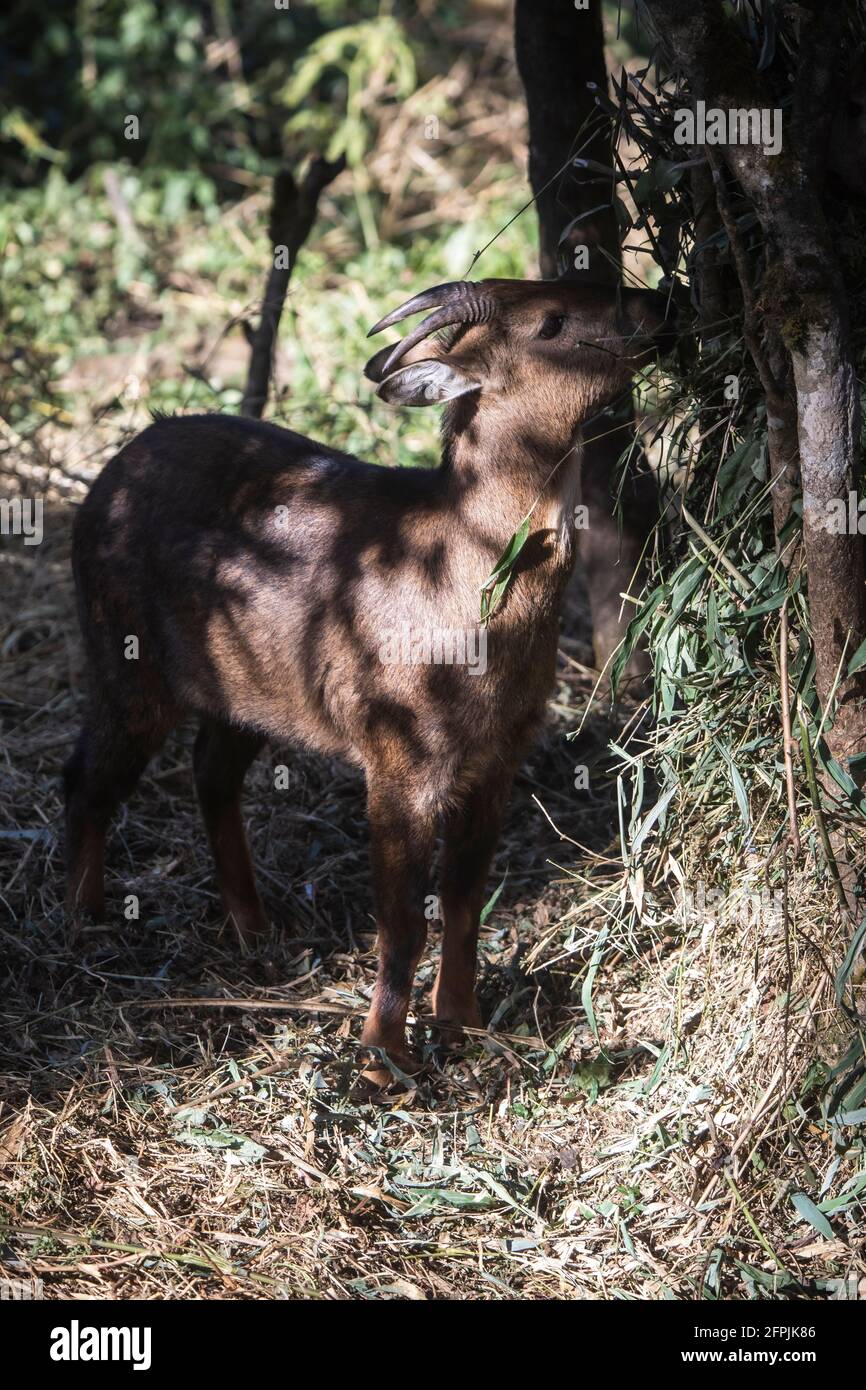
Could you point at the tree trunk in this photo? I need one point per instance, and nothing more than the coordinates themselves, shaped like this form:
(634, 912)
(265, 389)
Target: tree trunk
(560, 50)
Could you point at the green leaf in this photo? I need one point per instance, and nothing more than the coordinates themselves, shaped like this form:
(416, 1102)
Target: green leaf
(661, 177)
(247, 1150)
(658, 1069)
(499, 578)
(847, 965)
(840, 776)
(635, 628)
(858, 659)
(735, 475)
(590, 1077)
(847, 1196)
(512, 550)
(769, 604)
(652, 816)
(809, 1212)
(492, 901)
(737, 783)
(441, 1196)
(592, 971)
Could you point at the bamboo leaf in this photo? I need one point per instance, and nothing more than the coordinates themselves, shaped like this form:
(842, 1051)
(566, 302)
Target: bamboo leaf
(499, 578)
(858, 660)
(592, 971)
(652, 816)
(809, 1212)
(844, 971)
(492, 901)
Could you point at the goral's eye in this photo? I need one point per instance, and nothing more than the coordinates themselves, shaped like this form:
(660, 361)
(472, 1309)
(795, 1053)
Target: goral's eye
(552, 325)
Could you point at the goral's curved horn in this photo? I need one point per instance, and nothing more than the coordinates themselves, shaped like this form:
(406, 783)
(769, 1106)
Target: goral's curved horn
(465, 304)
(449, 293)
(459, 313)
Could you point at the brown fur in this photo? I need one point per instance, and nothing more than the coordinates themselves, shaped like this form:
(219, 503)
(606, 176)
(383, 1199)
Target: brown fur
(260, 570)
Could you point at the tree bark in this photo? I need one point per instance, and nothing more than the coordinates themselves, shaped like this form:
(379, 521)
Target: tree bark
(706, 270)
(774, 369)
(560, 51)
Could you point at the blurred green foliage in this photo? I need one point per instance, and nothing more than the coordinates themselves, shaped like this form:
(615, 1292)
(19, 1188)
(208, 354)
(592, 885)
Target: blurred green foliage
(203, 78)
(375, 53)
(211, 81)
(225, 92)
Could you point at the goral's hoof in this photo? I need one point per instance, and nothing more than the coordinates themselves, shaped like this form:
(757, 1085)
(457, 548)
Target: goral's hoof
(251, 926)
(390, 1072)
(452, 1016)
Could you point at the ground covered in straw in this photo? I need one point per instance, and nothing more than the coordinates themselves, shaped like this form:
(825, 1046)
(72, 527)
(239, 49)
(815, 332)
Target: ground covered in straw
(177, 1120)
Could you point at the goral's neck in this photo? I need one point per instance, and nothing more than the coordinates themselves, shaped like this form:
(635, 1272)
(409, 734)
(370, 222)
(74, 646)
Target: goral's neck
(499, 470)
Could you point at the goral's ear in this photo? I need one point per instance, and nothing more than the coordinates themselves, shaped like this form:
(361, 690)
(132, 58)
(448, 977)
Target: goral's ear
(426, 383)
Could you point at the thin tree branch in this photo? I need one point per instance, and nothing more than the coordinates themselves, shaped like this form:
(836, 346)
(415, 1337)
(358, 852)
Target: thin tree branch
(293, 211)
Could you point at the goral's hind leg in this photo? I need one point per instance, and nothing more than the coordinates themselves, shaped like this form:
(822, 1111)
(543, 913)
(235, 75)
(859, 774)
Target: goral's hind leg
(221, 759)
(102, 772)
